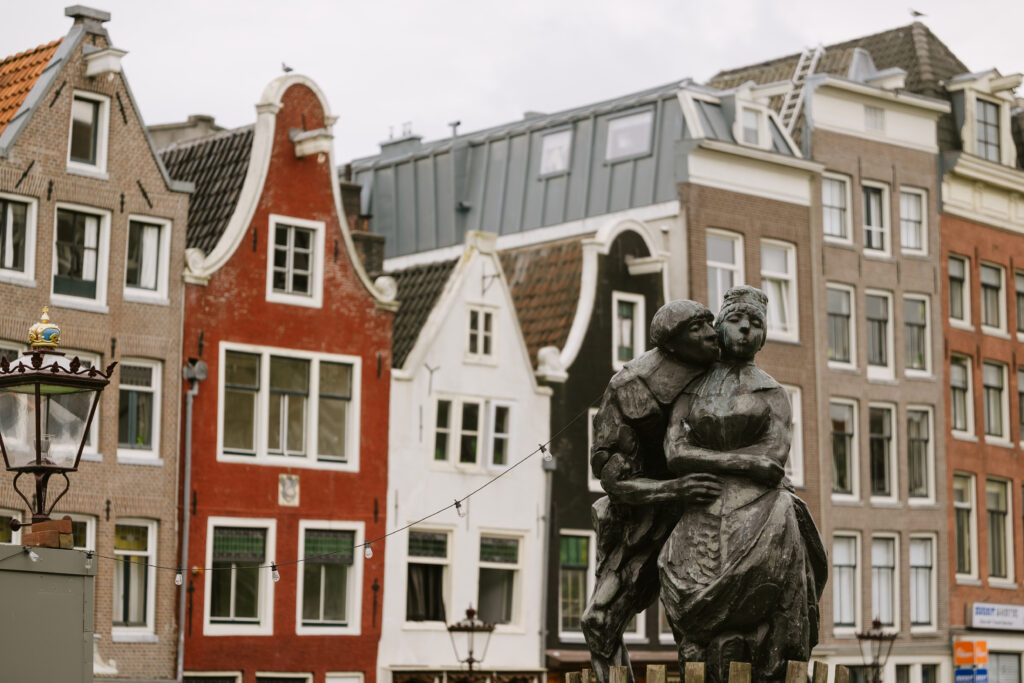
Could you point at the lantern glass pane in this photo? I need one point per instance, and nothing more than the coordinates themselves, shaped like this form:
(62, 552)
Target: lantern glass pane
(62, 422)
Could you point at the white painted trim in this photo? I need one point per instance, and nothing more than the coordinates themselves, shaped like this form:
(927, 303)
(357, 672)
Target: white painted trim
(886, 216)
(639, 326)
(795, 465)
(848, 216)
(158, 295)
(265, 609)
(894, 459)
(98, 304)
(858, 554)
(928, 331)
(790, 277)
(965, 322)
(1001, 330)
(151, 579)
(923, 195)
(354, 590)
(307, 678)
(14, 514)
(930, 499)
(970, 432)
(933, 608)
(492, 408)
(887, 371)
(156, 388)
(854, 463)
(1004, 405)
(1003, 581)
(896, 571)
(446, 578)
(738, 269)
(483, 311)
(516, 622)
(216, 674)
(345, 677)
(852, 341)
(28, 276)
(102, 133)
(972, 489)
(909, 99)
(316, 296)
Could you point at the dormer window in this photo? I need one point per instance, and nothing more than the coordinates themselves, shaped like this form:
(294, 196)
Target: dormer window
(554, 153)
(987, 130)
(629, 136)
(295, 256)
(87, 144)
(751, 121)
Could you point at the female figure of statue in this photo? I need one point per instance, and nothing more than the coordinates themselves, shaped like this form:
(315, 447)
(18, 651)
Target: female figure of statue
(742, 572)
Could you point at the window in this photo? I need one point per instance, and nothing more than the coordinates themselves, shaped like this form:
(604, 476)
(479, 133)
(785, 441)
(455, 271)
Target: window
(997, 507)
(330, 578)
(988, 130)
(442, 429)
(778, 280)
(913, 236)
(17, 237)
(80, 255)
(994, 380)
(917, 341)
(844, 460)
(628, 328)
(554, 152)
(844, 581)
(883, 580)
(87, 145)
(573, 580)
(212, 678)
(963, 530)
(1018, 279)
(881, 451)
(840, 325)
(7, 535)
(427, 584)
(921, 589)
(134, 578)
(1004, 667)
(309, 402)
(146, 265)
(919, 453)
(500, 434)
(795, 463)
(499, 572)
(961, 403)
(879, 332)
(239, 590)
(593, 483)
(959, 292)
(138, 419)
(874, 118)
(469, 433)
(461, 436)
(481, 334)
(294, 256)
(835, 207)
(751, 122)
(83, 531)
(876, 223)
(992, 296)
(629, 136)
(725, 265)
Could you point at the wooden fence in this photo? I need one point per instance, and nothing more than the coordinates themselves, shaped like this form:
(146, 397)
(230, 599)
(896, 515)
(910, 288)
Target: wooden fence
(739, 672)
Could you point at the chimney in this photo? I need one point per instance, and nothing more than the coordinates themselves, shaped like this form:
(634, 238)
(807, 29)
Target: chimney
(91, 19)
(369, 247)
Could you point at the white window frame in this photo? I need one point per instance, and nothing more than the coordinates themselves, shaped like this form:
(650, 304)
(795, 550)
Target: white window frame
(354, 590)
(483, 432)
(967, 435)
(214, 674)
(639, 634)
(265, 590)
(316, 296)
(492, 434)
(888, 371)
(1004, 407)
(515, 624)
(894, 483)
(795, 464)
(760, 112)
(737, 268)
(999, 331)
(446, 579)
(854, 451)
(970, 577)
(303, 677)
(158, 295)
(310, 461)
(664, 637)
(639, 327)
(1008, 580)
(851, 292)
(964, 323)
(857, 573)
(138, 633)
(593, 483)
(102, 135)
(577, 636)
(931, 626)
(619, 121)
(886, 217)
(90, 529)
(482, 311)
(929, 458)
(923, 196)
(927, 371)
(143, 456)
(971, 105)
(26, 278)
(344, 677)
(848, 214)
(555, 137)
(791, 305)
(896, 595)
(99, 303)
(13, 514)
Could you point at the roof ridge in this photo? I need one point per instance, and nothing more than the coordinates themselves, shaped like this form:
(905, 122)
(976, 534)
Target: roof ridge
(31, 51)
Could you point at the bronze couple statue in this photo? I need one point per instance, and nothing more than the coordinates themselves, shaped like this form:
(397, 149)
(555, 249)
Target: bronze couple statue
(690, 443)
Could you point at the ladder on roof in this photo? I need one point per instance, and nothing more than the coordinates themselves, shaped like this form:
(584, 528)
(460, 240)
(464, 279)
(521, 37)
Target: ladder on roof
(795, 95)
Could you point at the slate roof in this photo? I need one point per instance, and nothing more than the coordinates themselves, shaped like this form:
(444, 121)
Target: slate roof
(545, 280)
(18, 73)
(419, 288)
(217, 165)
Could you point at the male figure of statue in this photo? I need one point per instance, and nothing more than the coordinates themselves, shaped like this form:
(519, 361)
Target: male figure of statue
(644, 500)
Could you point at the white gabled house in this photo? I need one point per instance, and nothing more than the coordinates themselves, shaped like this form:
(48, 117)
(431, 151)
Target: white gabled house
(465, 407)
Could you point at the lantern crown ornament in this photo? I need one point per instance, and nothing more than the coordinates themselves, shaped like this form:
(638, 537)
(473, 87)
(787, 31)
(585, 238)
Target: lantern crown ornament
(44, 334)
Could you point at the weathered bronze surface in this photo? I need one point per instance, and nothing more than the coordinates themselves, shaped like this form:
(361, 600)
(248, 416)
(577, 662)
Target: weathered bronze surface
(690, 443)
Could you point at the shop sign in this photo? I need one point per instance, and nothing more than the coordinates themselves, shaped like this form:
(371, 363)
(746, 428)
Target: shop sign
(995, 616)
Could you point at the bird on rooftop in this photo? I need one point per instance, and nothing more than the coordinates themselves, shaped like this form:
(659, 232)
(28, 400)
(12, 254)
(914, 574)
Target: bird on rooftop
(914, 13)
(285, 68)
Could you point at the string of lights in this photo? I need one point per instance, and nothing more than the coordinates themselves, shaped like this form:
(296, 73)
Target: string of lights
(543, 448)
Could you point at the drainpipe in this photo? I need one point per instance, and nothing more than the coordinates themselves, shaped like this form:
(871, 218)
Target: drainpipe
(194, 372)
(549, 467)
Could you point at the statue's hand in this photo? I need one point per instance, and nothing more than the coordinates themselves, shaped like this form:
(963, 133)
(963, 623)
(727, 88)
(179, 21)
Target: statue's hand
(696, 489)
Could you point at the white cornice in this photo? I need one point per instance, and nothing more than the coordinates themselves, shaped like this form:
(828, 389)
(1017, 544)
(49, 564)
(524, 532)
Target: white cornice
(762, 155)
(976, 168)
(910, 100)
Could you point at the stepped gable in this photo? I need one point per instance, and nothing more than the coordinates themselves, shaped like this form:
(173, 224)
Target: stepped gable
(217, 165)
(419, 288)
(18, 74)
(545, 281)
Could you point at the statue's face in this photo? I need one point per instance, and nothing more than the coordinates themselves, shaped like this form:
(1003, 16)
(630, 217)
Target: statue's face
(741, 334)
(694, 339)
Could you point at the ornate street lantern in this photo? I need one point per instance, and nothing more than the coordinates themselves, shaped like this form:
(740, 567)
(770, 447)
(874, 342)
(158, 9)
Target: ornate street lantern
(470, 626)
(875, 646)
(47, 404)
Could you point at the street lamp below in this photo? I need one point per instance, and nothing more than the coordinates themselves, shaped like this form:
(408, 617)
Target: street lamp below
(875, 646)
(47, 404)
(470, 627)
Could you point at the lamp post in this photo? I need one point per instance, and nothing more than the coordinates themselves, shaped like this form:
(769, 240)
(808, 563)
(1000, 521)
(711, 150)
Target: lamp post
(470, 626)
(875, 646)
(47, 404)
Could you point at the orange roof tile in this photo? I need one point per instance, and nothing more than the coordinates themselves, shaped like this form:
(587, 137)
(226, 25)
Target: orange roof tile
(18, 74)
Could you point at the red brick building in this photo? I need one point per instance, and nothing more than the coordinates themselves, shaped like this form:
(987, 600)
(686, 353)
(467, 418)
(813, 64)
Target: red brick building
(289, 437)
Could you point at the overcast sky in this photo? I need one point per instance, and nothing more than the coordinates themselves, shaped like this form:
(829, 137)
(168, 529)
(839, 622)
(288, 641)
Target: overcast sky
(385, 62)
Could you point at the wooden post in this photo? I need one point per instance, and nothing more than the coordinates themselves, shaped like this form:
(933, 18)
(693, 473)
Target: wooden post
(618, 674)
(656, 673)
(573, 677)
(587, 676)
(694, 672)
(739, 672)
(820, 672)
(842, 674)
(796, 672)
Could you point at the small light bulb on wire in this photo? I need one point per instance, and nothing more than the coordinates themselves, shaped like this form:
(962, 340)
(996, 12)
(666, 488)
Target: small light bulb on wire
(178, 578)
(546, 452)
(274, 573)
(33, 555)
(459, 510)
(368, 551)
(88, 560)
